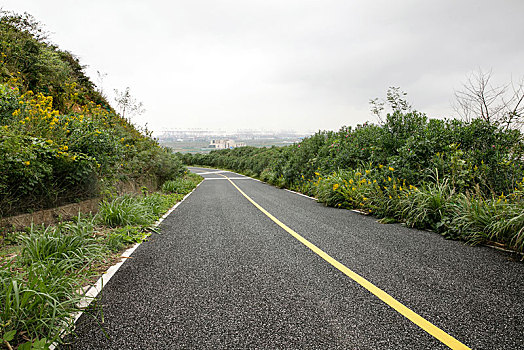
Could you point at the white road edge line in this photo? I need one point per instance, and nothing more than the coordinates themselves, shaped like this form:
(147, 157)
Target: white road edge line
(300, 194)
(212, 172)
(232, 178)
(95, 289)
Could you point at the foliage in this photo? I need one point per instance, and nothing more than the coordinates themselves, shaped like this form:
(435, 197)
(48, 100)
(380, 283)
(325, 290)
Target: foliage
(121, 211)
(409, 169)
(41, 287)
(60, 141)
(182, 185)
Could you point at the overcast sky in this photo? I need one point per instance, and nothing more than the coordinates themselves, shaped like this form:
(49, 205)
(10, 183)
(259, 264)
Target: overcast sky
(286, 64)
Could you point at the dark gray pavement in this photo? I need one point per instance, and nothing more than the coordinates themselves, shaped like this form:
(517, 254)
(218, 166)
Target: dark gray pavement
(222, 275)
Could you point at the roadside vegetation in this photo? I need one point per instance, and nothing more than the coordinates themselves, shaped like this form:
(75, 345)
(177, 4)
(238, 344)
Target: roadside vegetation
(61, 142)
(44, 269)
(462, 179)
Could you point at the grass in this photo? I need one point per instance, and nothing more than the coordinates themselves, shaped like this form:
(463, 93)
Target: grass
(435, 206)
(182, 185)
(125, 210)
(72, 242)
(36, 303)
(43, 270)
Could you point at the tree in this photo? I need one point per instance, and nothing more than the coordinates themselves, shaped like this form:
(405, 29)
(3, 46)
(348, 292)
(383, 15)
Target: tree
(128, 104)
(502, 105)
(395, 100)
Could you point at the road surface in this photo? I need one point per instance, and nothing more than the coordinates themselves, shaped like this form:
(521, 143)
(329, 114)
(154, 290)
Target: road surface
(240, 265)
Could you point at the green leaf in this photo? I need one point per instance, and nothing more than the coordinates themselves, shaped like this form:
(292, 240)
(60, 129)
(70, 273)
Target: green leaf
(40, 344)
(8, 336)
(25, 346)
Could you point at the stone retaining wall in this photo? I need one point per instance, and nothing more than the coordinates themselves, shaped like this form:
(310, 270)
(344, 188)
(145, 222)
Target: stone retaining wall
(50, 216)
(65, 212)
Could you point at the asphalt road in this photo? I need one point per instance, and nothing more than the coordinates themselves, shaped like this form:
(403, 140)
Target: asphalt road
(223, 275)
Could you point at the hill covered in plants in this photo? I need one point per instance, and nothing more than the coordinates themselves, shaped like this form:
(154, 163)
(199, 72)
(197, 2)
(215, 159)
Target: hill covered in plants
(60, 140)
(461, 179)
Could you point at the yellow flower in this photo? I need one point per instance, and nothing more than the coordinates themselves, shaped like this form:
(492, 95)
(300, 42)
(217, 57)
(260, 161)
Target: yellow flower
(391, 169)
(380, 166)
(335, 186)
(367, 172)
(316, 173)
(389, 178)
(27, 162)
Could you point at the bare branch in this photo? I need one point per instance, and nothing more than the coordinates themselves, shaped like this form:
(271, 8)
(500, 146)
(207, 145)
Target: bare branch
(501, 105)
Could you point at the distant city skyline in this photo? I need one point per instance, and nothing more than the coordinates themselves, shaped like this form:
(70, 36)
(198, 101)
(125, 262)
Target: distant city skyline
(299, 65)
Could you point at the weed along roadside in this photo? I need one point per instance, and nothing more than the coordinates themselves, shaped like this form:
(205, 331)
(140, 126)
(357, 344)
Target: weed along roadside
(45, 269)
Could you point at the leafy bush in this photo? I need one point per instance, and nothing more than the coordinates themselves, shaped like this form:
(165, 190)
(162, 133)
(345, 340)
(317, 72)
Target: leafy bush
(60, 141)
(391, 170)
(37, 173)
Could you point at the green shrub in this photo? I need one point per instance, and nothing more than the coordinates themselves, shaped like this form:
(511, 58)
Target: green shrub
(8, 103)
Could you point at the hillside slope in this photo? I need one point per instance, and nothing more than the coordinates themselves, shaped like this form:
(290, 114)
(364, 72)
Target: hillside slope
(60, 140)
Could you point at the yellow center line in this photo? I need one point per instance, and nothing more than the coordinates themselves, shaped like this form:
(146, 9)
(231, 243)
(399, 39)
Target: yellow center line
(379, 293)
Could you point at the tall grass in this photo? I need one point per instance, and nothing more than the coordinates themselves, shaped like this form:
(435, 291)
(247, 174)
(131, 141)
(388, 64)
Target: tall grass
(125, 210)
(182, 185)
(37, 303)
(41, 287)
(435, 205)
(72, 243)
(482, 220)
(426, 207)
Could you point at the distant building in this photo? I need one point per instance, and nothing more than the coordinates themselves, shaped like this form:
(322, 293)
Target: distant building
(223, 144)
